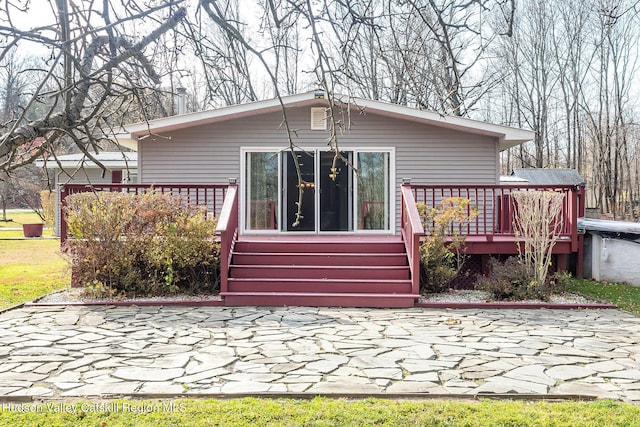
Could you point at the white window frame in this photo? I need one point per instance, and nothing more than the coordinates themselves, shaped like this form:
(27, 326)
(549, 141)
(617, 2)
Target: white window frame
(356, 223)
(242, 185)
(391, 190)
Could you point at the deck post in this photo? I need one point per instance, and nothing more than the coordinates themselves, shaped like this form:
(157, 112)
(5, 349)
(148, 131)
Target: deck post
(485, 261)
(561, 263)
(580, 250)
(573, 221)
(580, 257)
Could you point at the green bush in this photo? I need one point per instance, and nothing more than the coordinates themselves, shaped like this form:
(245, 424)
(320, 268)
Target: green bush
(438, 266)
(146, 245)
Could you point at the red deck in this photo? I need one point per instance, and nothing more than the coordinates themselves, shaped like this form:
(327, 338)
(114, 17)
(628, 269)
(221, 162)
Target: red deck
(354, 269)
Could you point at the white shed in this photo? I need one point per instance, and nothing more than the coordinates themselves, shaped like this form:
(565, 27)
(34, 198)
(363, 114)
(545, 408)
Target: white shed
(612, 250)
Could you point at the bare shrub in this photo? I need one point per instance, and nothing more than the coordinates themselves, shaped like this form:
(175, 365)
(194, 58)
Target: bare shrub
(537, 224)
(48, 203)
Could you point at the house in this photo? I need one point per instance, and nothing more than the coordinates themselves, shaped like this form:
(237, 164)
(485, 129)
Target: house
(300, 226)
(113, 167)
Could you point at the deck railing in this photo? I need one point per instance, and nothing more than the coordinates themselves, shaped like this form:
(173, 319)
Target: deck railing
(412, 230)
(496, 209)
(210, 196)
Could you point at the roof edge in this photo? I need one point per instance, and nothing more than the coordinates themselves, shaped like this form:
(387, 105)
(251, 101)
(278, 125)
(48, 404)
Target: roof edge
(507, 136)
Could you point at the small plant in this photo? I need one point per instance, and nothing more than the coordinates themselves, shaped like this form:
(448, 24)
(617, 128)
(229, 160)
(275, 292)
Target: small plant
(560, 281)
(511, 280)
(442, 253)
(97, 289)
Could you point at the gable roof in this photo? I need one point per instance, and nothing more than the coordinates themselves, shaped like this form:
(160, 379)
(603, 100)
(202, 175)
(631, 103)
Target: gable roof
(508, 136)
(543, 176)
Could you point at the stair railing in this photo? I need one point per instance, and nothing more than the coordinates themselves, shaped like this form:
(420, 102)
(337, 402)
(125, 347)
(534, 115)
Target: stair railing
(412, 231)
(227, 230)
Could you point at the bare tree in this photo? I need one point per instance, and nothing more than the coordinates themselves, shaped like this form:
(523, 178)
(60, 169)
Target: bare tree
(426, 55)
(537, 225)
(572, 80)
(572, 59)
(609, 112)
(566, 69)
(527, 58)
(21, 188)
(95, 66)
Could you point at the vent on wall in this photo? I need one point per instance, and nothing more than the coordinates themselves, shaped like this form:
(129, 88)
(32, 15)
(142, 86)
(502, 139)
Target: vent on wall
(318, 118)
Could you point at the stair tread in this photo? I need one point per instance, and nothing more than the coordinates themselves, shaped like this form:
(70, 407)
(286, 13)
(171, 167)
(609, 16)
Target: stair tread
(322, 294)
(341, 254)
(314, 246)
(339, 238)
(327, 267)
(272, 279)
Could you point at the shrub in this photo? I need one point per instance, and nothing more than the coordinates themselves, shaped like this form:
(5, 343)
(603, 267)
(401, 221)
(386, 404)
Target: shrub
(442, 253)
(512, 280)
(48, 203)
(141, 244)
(437, 265)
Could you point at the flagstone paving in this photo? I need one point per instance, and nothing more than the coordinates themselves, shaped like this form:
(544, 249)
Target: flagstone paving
(80, 351)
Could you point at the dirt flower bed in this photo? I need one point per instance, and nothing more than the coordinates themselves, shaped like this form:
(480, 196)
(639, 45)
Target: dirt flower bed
(479, 296)
(77, 295)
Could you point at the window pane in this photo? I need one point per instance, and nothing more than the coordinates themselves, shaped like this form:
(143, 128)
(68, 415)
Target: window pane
(373, 190)
(336, 199)
(262, 191)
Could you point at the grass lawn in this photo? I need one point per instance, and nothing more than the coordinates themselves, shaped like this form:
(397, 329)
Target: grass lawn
(18, 218)
(29, 269)
(321, 412)
(624, 296)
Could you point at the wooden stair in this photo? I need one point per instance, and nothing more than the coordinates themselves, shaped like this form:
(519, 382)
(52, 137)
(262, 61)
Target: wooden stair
(329, 271)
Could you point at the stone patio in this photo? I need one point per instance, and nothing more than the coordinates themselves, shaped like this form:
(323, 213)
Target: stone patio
(80, 351)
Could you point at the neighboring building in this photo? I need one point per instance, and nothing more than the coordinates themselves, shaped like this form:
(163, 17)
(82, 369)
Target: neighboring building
(549, 176)
(114, 168)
